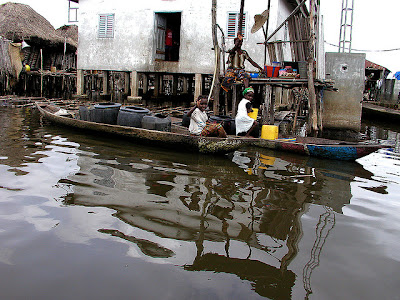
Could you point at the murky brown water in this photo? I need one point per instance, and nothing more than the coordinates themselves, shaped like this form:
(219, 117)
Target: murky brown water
(84, 217)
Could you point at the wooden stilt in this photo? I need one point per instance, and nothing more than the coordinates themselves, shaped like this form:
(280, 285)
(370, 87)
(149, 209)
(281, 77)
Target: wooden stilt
(266, 110)
(234, 99)
(313, 122)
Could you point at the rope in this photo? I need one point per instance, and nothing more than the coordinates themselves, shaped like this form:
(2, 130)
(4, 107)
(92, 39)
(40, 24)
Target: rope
(385, 50)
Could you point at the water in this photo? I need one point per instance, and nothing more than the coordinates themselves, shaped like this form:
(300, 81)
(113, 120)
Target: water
(91, 217)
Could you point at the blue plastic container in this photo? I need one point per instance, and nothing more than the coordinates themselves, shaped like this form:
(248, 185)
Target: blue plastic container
(254, 75)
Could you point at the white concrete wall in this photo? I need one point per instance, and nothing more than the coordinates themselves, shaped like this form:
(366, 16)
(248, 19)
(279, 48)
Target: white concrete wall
(342, 109)
(132, 47)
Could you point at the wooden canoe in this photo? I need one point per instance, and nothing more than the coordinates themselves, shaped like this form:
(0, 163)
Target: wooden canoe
(179, 139)
(380, 112)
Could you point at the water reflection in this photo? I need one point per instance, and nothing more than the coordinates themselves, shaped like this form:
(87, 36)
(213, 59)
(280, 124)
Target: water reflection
(244, 214)
(377, 130)
(254, 198)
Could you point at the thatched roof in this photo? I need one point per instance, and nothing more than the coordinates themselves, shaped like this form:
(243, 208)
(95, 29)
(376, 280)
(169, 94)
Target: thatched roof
(19, 21)
(69, 31)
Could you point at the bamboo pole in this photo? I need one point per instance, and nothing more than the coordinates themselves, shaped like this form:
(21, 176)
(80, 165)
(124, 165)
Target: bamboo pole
(313, 121)
(266, 34)
(283, 23)
(217, 51)
(240, 23)
(41, 72)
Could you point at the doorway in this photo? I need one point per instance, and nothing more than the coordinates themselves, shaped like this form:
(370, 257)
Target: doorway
(168, 33)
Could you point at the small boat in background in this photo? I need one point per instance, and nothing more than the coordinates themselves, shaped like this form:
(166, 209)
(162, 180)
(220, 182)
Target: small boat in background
(180, 139)
(380, 112)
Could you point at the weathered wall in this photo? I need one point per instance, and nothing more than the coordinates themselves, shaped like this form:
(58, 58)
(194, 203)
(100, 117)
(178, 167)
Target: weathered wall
(342, 109)
(132, 47)
(396, 92)
(390, 91)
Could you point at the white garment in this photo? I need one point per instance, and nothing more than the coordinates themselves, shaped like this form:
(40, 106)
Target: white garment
(198, 121)
(242, 121)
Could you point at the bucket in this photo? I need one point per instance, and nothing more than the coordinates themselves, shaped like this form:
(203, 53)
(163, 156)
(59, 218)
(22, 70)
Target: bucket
(253, 114)
(269, 132)
(271, 71)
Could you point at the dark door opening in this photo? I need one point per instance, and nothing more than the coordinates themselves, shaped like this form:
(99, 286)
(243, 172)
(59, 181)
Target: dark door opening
(168, 34)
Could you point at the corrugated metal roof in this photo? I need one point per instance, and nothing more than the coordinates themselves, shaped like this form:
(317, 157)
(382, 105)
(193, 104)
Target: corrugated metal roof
(371, 65)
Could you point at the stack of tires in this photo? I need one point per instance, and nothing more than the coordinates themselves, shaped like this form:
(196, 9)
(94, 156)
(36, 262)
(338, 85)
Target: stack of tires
(132, 116)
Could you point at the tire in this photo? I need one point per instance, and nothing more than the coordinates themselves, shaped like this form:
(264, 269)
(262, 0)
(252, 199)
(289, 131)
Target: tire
(106, 112)
(185, 120)
(227, 122)
(157, 122)
(131, 116)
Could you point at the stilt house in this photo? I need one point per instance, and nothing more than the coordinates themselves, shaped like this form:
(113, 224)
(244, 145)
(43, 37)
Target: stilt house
(126, 42)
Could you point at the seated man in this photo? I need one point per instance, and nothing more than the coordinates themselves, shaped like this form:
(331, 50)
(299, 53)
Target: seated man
(236, 70)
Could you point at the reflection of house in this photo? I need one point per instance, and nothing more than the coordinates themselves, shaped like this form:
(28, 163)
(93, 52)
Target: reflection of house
(42, 47)
(129, 37)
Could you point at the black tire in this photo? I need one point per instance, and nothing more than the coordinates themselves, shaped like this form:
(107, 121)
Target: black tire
(132, 116)
(185, 120)
(106, 112)
(157, 122)
(226, 123)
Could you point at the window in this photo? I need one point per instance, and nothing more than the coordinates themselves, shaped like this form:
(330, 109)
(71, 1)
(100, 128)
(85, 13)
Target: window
(72, 12)
(233, 22)
(106, 26)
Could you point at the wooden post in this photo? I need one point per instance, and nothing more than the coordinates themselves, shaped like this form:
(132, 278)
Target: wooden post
(145, 83)
(313, 122)
(126, 83)
(157, 79)
(185, 85)
(266, 112)
(234, 99)
(105, 82)
(240, 23)
(216, 86)
(271, 117)
(41, 72)
(198, 86)
(134, 84)
(79, 82)
(320, 107)
(266, 34)
(226, 104)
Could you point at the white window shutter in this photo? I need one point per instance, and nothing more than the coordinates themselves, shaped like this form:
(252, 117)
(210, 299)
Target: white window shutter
(106, 26)
(232, 18)
(233, 22)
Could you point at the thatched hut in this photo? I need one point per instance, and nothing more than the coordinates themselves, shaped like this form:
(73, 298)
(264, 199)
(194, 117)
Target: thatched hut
(48, 49)
(19, 22)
